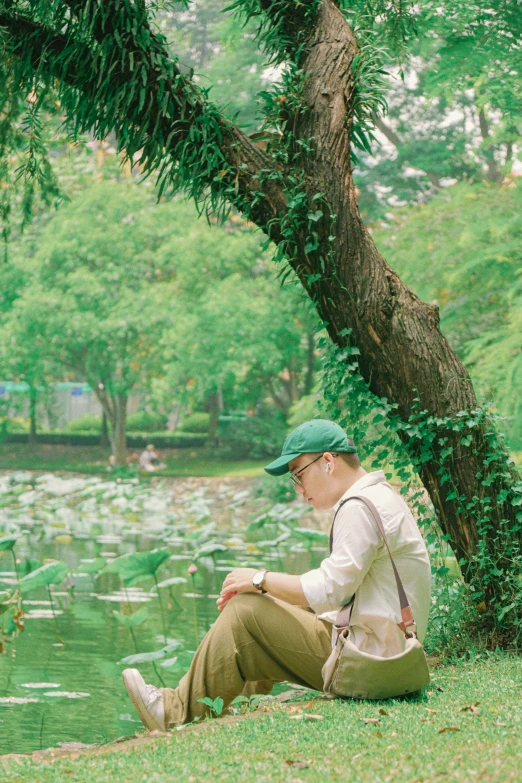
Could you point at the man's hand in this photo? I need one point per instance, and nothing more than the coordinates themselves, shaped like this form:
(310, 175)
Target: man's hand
(286, 587)
(237, 581)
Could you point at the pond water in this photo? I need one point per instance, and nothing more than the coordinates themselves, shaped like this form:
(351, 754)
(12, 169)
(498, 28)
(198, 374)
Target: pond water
(60, 680)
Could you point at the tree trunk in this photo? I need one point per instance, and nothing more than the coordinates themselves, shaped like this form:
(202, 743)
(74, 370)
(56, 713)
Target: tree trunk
(118, 435)
(32, 414)
(213, 406)
(310, 364)
(403, 354)
(104, 436)
(114, 407)
(494, 173)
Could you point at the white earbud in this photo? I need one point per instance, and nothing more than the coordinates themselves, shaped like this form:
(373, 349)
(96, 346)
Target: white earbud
(328, 467)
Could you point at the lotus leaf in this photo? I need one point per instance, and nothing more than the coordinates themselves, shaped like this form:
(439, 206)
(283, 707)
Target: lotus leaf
(310, 535)
(49, 574)
(91, 566)
(174, 580)
(137, 564)
(152, 656)
(132, 620)
(7, 543)
(210, 549)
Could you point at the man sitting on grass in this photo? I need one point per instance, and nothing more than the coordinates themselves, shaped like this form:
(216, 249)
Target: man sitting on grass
(266, 632)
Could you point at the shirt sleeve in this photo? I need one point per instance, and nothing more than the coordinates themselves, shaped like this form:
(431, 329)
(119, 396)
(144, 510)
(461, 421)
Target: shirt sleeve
(355, 545)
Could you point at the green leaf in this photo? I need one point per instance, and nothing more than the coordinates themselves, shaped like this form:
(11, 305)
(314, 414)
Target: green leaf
(7, 543)
(147, 657)
(174, 580)
(210, 549)
(92, 566)
(49, 574)
(310, 535)
(136, 564)
(132, 620)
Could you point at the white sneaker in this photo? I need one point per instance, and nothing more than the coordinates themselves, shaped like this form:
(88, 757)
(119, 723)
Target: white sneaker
(147, 700)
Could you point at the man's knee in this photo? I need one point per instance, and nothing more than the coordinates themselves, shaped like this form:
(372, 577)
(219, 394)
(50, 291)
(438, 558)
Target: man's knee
(244, 609)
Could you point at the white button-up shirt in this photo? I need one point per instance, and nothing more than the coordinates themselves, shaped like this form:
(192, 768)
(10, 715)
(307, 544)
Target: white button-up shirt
(359, 564)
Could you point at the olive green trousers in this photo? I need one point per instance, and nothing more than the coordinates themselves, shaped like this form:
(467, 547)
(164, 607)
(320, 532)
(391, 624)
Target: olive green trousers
(255, 642)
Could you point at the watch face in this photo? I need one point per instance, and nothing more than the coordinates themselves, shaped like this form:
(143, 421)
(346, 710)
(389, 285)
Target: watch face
(258, 578)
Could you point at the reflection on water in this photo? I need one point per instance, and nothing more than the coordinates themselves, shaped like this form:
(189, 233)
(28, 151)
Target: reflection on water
(61, 681)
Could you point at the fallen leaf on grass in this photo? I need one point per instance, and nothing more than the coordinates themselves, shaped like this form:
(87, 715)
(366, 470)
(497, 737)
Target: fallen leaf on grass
(382, 711)
(298, 764)
(434, 712)
(378, 734)
(449, 728)
(371, 720)
(473, 708)
(499, 723)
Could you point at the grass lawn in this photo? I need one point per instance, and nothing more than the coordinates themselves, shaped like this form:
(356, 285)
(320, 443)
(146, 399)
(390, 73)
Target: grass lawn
(94, 459)
(466, 727)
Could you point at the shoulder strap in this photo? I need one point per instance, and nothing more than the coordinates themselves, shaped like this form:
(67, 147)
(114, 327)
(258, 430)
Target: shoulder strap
(343, 618)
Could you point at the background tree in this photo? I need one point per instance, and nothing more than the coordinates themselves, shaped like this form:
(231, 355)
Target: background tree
(95, 306)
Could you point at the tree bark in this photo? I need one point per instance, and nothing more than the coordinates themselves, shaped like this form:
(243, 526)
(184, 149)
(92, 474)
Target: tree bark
(494, 173)
(310, 364)
(32, 414)
(104, 435)
(118, 435)
(404, 356)
(114, 407)
(214, 407)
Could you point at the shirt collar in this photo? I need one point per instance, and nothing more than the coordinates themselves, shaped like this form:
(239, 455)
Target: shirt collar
(375, 477)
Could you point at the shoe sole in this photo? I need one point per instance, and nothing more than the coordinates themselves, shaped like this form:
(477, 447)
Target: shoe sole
(132, 686)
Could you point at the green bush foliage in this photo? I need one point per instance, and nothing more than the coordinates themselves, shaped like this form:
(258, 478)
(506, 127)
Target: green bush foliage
(87, 423)
(134, 439)
(147, 421)
(196, 422)
(258, 437)
(17, 424)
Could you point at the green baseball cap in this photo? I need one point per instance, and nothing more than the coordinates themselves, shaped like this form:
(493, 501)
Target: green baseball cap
(310, 437)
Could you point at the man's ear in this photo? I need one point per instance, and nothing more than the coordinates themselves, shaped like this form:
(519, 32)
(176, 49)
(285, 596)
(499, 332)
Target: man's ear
(330, 463)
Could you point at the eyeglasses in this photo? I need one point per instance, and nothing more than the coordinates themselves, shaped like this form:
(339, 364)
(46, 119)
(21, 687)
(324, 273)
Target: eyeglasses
(294, 477)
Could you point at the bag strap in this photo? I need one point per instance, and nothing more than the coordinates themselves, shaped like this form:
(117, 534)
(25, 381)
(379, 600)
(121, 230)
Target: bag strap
(342, 620)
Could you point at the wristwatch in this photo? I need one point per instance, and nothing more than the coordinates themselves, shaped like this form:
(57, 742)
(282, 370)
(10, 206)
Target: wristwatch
(258, 580)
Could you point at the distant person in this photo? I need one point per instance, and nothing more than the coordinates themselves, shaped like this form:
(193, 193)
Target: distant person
(275, 627)
(149, 460)
(112, 462)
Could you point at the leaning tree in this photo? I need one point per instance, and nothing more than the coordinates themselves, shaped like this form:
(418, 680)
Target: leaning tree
(112, 73)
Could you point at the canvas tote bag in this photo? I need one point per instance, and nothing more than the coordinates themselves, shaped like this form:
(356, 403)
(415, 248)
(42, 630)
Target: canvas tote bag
(349, 672)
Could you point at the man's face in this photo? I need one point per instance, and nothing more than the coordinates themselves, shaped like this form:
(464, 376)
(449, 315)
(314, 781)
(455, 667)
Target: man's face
(315, 483)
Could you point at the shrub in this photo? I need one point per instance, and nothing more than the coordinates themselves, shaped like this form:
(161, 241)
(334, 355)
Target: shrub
(87, 423)
(258, 437)
(278, 489)
(196, 422)
(17, 424)
(147, 421)
(136, 440)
